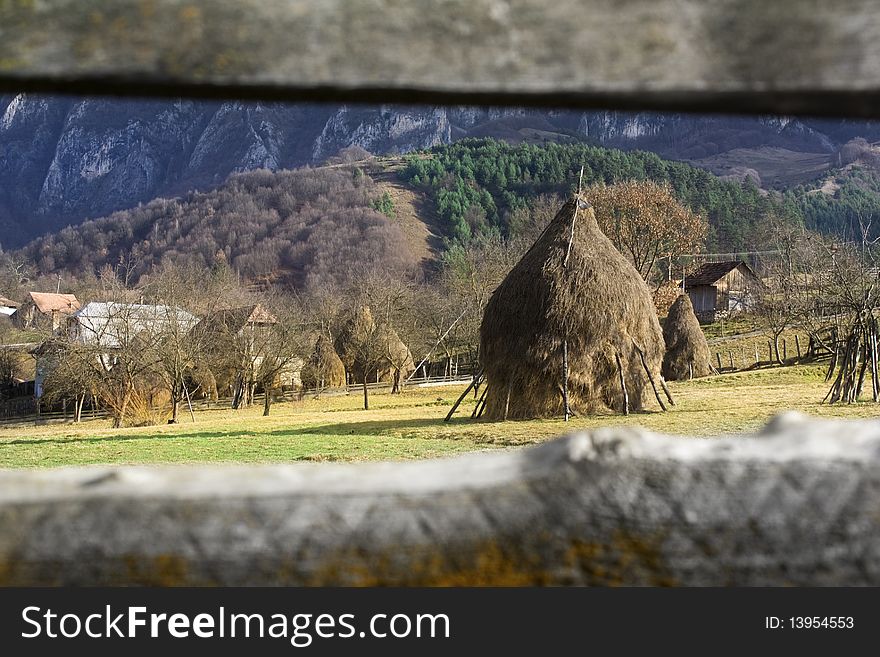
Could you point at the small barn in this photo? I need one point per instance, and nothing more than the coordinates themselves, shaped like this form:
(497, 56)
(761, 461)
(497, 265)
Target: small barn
(7, 306)
(45, 310)
(719, 289)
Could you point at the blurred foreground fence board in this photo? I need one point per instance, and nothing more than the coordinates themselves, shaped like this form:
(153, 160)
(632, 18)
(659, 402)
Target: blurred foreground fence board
(798, 503)
(789, 56)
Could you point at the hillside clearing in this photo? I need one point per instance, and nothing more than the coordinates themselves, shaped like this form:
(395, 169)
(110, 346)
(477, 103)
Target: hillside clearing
(407, 426)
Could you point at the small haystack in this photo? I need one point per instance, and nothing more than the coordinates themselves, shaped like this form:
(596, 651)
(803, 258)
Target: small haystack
(572, 304)
(373, 352)
(687, 352)
(397, 362)
(354, 342)
(324, 368)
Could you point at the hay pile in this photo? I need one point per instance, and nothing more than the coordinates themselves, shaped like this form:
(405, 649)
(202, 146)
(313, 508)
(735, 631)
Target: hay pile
(687, 352)
(324, 368)
(397, 361)
(591, 300)
(373, 351)
(354, 342)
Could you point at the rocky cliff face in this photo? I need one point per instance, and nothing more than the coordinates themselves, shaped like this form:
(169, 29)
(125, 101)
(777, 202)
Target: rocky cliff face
(64, 159)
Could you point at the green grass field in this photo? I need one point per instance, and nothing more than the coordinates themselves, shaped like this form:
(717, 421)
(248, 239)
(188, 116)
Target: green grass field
(406, 426)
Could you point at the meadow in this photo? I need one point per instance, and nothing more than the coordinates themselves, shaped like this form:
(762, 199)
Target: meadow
(408, 425)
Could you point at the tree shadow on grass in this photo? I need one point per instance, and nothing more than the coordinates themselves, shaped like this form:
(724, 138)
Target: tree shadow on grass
(378, 428)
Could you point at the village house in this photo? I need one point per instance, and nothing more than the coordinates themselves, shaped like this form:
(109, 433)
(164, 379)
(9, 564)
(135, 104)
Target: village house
(719, 289)
(242, 333)
(45, 311)
(112, 324)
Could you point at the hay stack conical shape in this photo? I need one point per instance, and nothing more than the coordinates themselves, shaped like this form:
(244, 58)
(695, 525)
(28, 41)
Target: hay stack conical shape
(324, 368)
(686, 345)
(356, 332)
(595, 300)
(396, 356)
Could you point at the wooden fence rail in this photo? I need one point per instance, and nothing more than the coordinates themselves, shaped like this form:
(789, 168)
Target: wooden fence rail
(781, 57)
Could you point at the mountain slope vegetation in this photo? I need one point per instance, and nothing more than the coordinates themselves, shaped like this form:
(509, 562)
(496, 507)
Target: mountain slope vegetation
(313, 226)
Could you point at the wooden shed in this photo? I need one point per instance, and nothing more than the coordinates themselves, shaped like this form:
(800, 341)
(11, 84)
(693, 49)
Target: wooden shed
(719, 289)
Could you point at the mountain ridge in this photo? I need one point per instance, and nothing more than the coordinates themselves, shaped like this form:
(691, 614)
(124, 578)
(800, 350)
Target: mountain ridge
(65, 159)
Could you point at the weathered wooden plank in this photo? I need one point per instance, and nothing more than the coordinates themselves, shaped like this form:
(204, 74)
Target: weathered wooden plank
(796, 504)
(788, 56)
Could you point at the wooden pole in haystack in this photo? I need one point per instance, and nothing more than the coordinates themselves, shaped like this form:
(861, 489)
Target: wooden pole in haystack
(622, 385)
(480, 403)
(650, 376)
(566, 408)
(475, 381)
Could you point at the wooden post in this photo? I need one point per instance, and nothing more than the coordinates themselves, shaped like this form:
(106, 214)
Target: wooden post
(875, 384)
(757, 357)
(730, 358)
(666, 391)
(463, 395)
(718, 356)
(650, 377)
(507, 401)
(479, 403)
(190, 404)
(622, 387)
(770, 352)
(797, 344)
(566, 409)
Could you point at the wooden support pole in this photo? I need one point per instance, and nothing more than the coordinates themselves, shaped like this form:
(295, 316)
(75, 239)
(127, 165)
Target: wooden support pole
(730, 358)
(875, 384)
(770, 358)
(784, 351)
(797, 344)
(622, 385)
(463, 395)
(718, 356)
(650, 377)
(190, 404)
(566, 409)
(666, 391)
(507, 401)
(479, 403)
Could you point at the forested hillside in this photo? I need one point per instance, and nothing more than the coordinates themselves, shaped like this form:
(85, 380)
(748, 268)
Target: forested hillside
(305, 226)
(477, 185)
(320, 225)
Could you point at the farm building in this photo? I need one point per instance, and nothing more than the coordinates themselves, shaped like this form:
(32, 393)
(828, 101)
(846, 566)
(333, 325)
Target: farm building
(45, 310)
(7, 306)
(111, 324)
(717, 289)
(240, 338)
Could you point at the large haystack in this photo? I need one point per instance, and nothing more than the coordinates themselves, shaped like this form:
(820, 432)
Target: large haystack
(687, 352)
(590, 299)
(324, 368)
